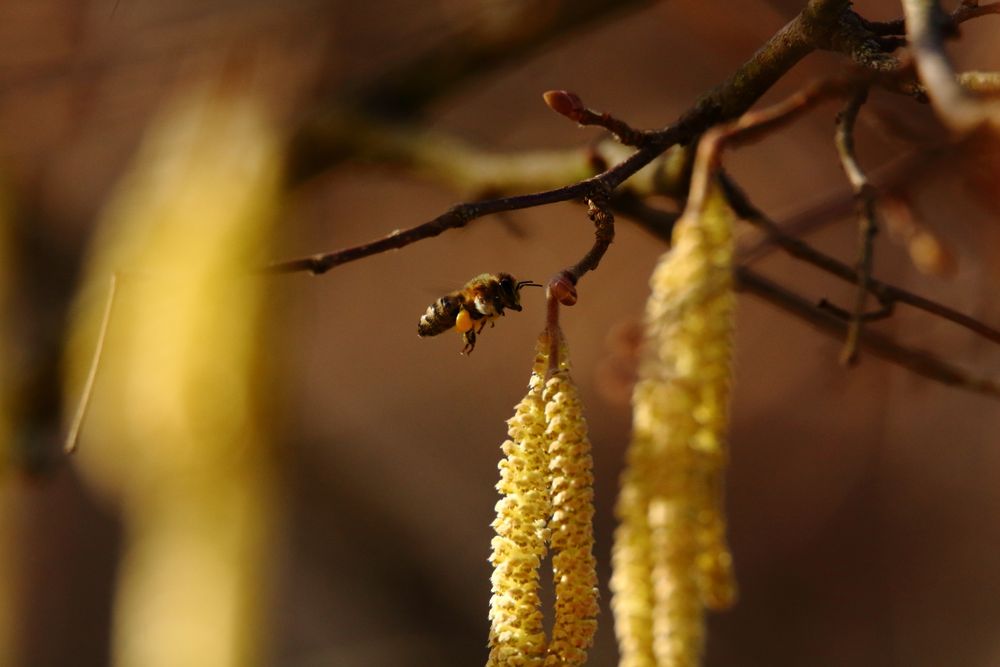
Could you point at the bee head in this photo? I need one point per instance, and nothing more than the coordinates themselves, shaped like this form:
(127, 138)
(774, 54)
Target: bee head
(510, 289)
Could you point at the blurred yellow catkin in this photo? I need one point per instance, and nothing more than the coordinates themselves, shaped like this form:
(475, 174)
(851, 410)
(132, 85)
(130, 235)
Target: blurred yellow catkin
(176, 430)
(546, 480)
(670, 559)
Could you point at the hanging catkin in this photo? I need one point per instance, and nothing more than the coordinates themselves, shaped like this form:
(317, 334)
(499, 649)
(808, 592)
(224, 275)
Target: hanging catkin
(670, 559)
(546, 481)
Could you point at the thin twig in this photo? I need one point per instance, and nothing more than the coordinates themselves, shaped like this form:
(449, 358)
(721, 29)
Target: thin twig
(462, 214)
(864, 195)
(884, 292)
(562, 287)
(904, 169)
(604, 235)
(753, 125)
(732, 98)
(835, 324)
(918, 361)
(73, 437)
(747, 128)
(447, 66)
(570, 105)
(405, 91)
(552, 329)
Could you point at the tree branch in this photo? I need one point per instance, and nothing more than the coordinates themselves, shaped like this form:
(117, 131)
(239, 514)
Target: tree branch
(962, 13)
(918, 361)
(407, 89)
(730, 99)
(570, 105)
(833, 324)
(884, 292)
(864, 195)
(926, 27)
(404, 91)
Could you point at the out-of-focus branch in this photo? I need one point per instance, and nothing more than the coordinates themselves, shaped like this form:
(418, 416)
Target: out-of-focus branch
(469, 168)
(752, 125)
(926, 27)
(864, 195)
(962, 13)
(884, 292)
(747, 280)
(918, 361)
(403, 92)
(904, 170)
(407, 89)
(747, 128)
(319, 142)
(728, 100)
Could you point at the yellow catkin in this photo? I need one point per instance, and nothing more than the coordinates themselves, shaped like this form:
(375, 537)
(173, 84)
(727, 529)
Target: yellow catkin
(546, 479)
(517, 636)
(631, 563)
(572, 534)
(178, 427)
(670, 558)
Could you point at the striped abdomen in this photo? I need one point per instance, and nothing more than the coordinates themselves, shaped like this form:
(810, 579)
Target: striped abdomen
(440, 315)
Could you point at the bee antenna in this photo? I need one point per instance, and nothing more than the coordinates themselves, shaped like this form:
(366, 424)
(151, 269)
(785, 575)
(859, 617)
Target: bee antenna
(528, 283)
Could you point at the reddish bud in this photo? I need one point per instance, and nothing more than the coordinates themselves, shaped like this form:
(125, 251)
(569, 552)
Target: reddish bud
(562, 289)
(565, 103)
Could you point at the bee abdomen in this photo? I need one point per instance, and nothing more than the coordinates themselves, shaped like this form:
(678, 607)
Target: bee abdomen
(440, 316)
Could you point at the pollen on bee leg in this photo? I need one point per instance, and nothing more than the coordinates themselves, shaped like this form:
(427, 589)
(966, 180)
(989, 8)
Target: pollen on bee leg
(463, 322)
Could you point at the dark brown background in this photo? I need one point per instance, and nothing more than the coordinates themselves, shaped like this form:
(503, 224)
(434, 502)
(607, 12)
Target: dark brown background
(863, 503)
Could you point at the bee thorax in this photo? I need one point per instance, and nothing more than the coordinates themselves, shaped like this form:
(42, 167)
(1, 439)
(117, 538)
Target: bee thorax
(484, 306)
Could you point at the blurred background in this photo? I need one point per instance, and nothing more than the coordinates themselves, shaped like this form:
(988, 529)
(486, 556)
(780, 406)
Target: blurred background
(861, 501)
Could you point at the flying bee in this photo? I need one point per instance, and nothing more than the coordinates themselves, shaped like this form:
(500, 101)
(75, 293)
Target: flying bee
(468, 310)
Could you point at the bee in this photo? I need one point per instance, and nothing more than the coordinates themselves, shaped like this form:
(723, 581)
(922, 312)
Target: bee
(468, 310)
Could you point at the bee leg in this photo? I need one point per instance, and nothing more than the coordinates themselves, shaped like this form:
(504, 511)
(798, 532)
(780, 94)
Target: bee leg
(470, 342)
(482, 325)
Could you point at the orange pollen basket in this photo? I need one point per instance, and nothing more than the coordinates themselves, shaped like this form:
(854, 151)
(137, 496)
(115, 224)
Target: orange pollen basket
(463, 322)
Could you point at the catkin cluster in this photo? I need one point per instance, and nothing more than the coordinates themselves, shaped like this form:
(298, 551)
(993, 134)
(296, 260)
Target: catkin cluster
(546, 483)
(670, 558)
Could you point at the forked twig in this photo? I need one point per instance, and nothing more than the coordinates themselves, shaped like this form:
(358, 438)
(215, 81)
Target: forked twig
(733, 97)
(886, 293)
(918, 361)
(834, 323)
